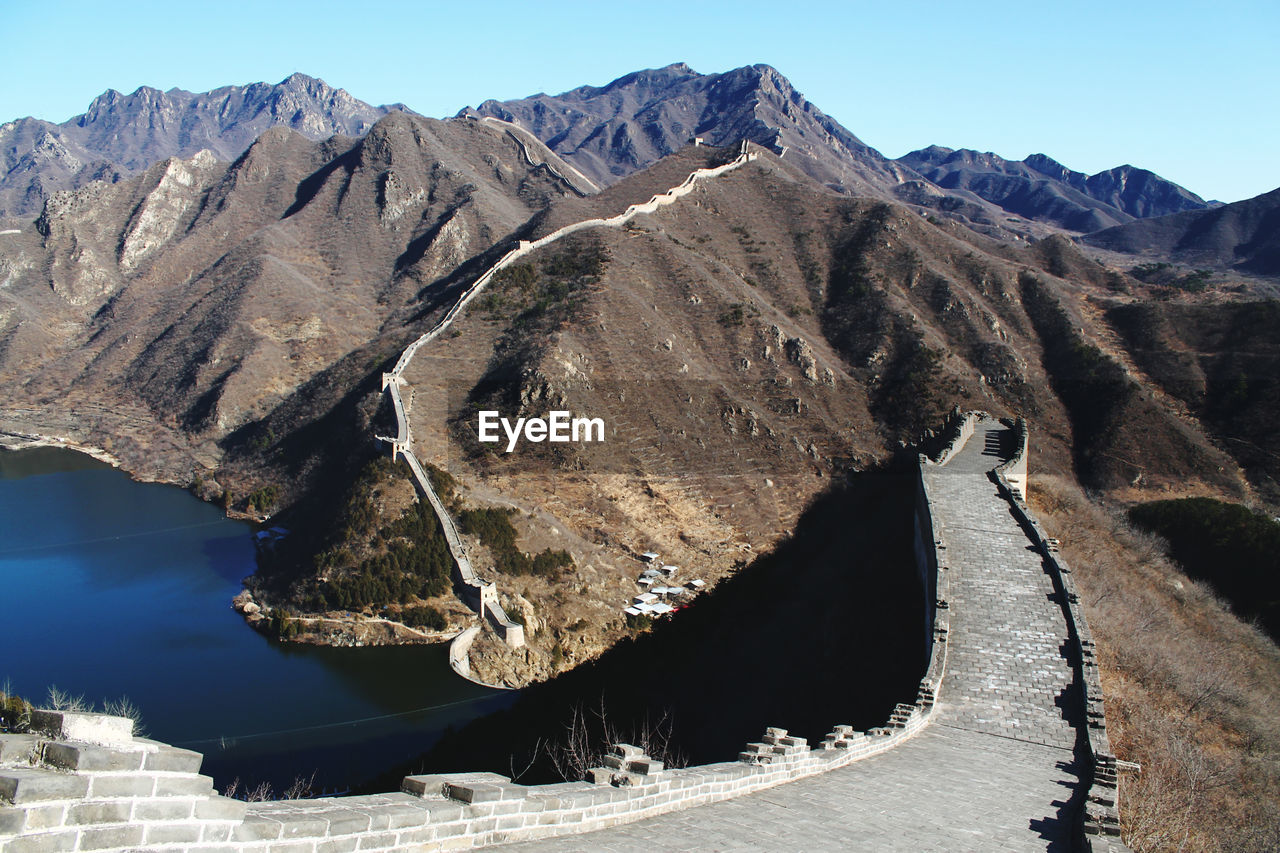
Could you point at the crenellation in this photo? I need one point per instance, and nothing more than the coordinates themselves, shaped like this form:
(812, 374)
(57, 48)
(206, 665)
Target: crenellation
(83, 727)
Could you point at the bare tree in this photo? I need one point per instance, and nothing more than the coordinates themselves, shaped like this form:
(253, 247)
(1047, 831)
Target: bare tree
(589, 734)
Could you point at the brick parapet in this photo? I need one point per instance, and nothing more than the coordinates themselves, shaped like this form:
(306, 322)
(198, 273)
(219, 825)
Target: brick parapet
(1099, 820)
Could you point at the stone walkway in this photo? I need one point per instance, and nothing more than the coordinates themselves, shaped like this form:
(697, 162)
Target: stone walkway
(998, 769)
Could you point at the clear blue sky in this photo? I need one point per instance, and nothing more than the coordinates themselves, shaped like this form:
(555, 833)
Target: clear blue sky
(1187, 89)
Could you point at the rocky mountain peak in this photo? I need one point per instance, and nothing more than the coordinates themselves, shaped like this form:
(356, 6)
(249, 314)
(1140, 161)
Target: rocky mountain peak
(124, 134)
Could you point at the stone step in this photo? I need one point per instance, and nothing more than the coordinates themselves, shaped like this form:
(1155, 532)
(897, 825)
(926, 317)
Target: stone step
(19, 785)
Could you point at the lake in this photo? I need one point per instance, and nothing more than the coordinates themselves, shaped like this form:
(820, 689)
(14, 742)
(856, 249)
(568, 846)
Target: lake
(111, 588)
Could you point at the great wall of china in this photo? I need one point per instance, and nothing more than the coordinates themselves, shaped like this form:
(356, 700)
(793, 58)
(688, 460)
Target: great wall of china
(481, 594)
(1005, 745)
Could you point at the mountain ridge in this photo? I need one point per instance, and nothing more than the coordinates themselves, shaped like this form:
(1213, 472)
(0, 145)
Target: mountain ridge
(1039, 187)
(123, 134)
(1243, 236)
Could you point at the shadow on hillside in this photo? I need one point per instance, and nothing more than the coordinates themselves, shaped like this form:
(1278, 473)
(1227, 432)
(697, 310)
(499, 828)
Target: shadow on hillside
(825, 630)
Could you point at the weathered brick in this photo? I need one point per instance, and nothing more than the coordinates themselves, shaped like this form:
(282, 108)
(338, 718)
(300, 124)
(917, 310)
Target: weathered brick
(291, 847)
(510, 822)
(12, 820)
(83, 726)
(216, 831)
(173, 808)
(42, 842)
(20, 785)
(121, 785)
(106, 837)
(398, 816)
(220, 808)
(444, 811)
(378, 841)
(419, 836)
(183, 785)
(301, 825)
(338, 845)
(346, 821)
(41, 818)
(173, 759)
(17, 747)
(183, 833)
(255, 828)
(81, 757)
(428, 785)
(116, 811)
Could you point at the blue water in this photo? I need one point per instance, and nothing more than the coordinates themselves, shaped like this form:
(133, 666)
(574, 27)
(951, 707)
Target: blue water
(111, 588)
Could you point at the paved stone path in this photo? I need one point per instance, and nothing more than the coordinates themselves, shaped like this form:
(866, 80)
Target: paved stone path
(999, 767)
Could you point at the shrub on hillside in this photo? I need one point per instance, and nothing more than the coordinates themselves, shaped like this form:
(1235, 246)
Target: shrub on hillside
(1233, 548)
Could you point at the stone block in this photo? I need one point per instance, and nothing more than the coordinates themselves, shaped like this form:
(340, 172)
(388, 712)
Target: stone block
(301, 825)
(13, 820)
(166, 809)
(291, 847)
(121, 785)
(108, 837)
(173, 760)
(397, 816)
(346, 821)
(101, 729)
(113, 811)
(338, 845)
(161, 833)
(21, 785)
(83, 757)
(220, 808)
(426, 785)
(184, 786)
(42, 842)
(445, 811)
(724, 771)
(645, 766)
(377, 841)
(216, 832)
(17, 747)
(255, 828)
(626, 750)
(474, 793)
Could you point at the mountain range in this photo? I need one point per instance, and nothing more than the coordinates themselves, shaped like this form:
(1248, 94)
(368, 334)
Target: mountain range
(1244, 236)
(120, 135)
(606, 133)
(212, 288)
(611, 131)
(1040, 188)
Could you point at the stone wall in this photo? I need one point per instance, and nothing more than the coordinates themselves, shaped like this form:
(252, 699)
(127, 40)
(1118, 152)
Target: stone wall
(1100, 817)
(84, 782)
